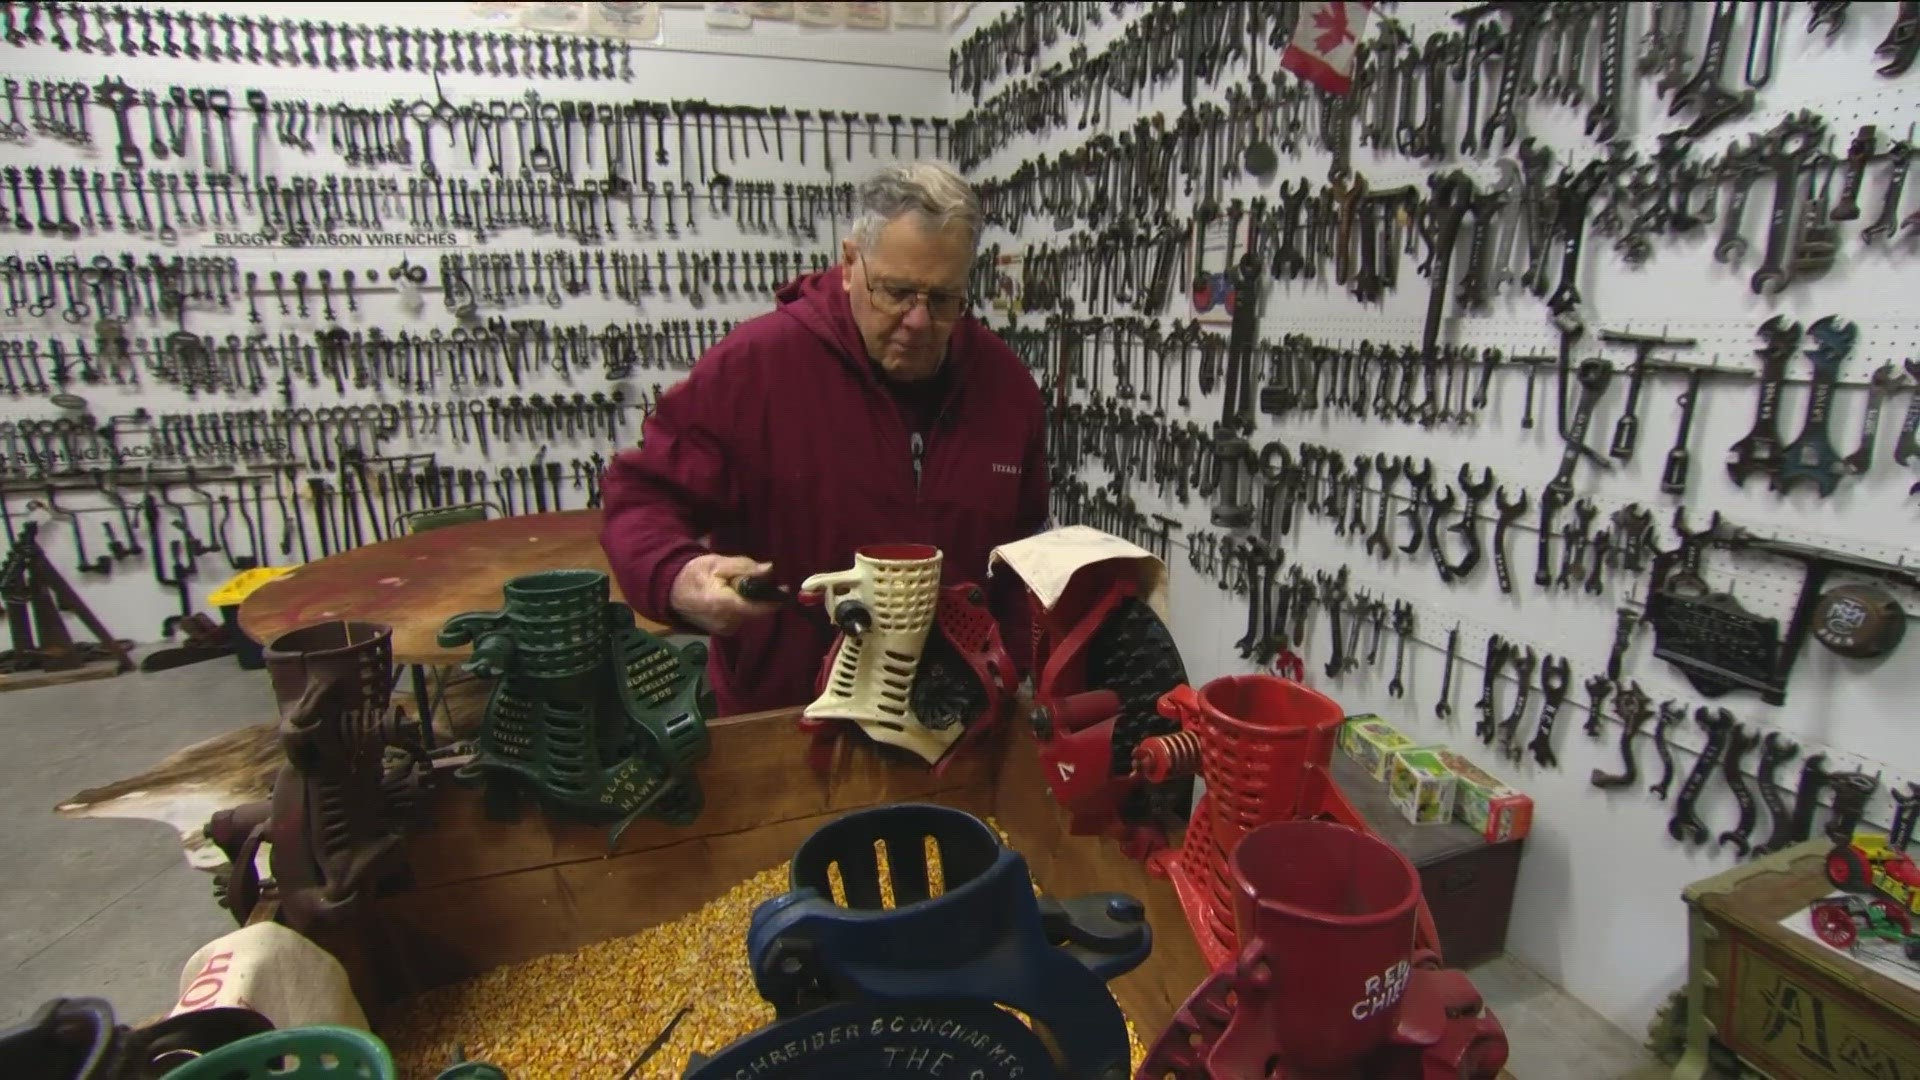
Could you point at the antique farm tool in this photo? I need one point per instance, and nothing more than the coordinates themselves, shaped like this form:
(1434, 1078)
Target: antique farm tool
(592, 715)
(1720, 646)
(1326, 979)
(1263, 746)
(354, 773)
(916, 953)
(79, 1038)
(36, 594)
(914, 665)
(1102, 658)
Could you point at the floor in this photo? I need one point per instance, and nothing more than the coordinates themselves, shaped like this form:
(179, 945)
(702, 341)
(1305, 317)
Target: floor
(110, 908)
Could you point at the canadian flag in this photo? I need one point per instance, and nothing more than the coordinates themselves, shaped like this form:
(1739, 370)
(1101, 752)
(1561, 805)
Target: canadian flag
(1323, 42)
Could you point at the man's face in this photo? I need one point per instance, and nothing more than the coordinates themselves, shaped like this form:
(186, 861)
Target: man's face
(908, 344)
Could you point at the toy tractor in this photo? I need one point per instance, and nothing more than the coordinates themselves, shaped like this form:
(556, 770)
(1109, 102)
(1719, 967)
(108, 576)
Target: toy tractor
(1865, 862)
(1844, 921)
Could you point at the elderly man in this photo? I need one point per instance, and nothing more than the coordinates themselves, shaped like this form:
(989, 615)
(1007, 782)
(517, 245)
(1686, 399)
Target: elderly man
(869, 407)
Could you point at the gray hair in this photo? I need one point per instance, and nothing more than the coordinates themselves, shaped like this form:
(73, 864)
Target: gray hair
(938, 194)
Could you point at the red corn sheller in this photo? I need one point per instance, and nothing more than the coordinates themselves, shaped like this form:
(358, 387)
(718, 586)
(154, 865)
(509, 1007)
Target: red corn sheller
(1328, 982)
(1264, 746)
(1102, 658)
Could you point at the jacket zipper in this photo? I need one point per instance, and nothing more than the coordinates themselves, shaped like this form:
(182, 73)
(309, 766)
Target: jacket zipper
(919, 443)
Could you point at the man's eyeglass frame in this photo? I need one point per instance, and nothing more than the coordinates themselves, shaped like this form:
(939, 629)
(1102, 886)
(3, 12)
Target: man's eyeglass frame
(887, 298)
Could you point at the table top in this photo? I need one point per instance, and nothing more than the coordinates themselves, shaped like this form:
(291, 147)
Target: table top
(1423, 845)
(416, 583)
(1754, 896)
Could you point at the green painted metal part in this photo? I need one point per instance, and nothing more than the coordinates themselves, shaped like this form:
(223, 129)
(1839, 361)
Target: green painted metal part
(308, 1053)
(420, 521)
(596, 716)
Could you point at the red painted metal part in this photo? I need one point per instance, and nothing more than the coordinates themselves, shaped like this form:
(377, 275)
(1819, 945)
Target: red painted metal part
(1328, 981)
(964, 617)
(1266, 746)
(1265, 749)
(1074, 724)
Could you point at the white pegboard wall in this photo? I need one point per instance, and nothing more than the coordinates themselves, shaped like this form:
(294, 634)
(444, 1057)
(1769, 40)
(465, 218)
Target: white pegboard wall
(1597, 911)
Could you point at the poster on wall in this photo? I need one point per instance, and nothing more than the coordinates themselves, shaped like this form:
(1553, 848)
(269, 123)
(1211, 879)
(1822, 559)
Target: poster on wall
(729, 17)
(916, 16)
(625, 19)
(1868, 929)
(1005, 286)
(1209, 286)
(555, 16)
(495, 13)
(772, 12)
(817, 14)
(866, 16)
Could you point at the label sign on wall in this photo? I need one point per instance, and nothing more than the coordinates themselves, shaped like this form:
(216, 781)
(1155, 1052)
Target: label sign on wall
(625, 19)
(817, 14)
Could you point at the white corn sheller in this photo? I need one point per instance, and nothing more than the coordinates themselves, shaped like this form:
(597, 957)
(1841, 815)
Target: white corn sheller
(885, 608)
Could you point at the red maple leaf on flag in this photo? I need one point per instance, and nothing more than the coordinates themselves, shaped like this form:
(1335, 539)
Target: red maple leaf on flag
(1332, 23)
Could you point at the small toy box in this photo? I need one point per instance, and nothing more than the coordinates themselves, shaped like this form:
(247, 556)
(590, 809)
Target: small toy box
(1421, 786)
(1486, 804)
(1372, 742)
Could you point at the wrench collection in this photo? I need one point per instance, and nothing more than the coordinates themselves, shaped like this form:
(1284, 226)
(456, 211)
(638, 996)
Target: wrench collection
(1126, 204)
(96, 29)
(292, 317)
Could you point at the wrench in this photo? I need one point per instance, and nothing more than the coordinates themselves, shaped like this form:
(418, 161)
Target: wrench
(1556, 673)
(1510, 727)
(1812, 456)
(1878, 388)
(1774, 273)
(1883, 226)
(1907, 448)
(1633, 708)
(1509, 513)
(1741, 167)
(1759, 452)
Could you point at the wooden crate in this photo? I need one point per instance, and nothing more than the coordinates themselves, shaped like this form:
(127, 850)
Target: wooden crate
(488, 893)
(1790, 1007)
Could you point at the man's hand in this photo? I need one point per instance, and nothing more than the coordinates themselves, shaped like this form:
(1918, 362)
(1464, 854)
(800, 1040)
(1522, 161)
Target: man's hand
(704, 594)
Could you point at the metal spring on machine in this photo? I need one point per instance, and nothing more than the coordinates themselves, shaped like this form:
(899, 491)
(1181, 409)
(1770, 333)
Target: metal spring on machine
(1159, 757)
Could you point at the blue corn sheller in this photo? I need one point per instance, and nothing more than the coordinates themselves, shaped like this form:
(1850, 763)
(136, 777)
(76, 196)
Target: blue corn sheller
(862, 987)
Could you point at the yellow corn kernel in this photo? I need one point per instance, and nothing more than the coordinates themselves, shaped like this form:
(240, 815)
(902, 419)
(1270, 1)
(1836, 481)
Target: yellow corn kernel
(589, 1013)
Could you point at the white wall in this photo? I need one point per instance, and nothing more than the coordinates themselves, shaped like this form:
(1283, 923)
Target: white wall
(899, 72)
(1598, 908)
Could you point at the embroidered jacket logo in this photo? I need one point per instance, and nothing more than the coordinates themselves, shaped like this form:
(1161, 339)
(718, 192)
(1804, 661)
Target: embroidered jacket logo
(1009, 470)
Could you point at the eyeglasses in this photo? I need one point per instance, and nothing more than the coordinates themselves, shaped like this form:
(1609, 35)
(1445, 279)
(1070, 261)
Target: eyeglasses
(898, 300)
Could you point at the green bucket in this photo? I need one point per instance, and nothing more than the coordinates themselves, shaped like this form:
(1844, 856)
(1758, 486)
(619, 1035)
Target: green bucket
(308, 1053)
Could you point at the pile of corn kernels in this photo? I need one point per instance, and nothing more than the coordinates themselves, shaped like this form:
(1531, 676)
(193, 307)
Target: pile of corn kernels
(586, 1015)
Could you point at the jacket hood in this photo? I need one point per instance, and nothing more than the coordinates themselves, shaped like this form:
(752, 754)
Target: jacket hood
(820, 303)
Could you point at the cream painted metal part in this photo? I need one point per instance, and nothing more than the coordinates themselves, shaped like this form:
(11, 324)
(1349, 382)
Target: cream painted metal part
(873, 672)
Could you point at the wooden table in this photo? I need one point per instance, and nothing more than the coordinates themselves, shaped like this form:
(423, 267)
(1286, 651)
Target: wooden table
(416, 583)
(1786, 1005)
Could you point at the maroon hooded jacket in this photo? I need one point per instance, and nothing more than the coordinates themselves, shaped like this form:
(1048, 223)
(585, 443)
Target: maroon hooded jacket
(784, 445)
